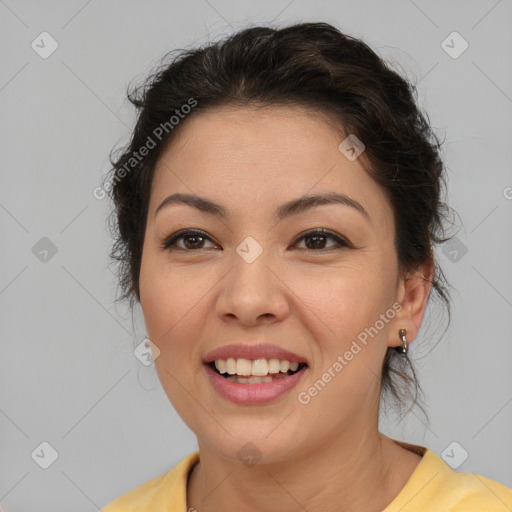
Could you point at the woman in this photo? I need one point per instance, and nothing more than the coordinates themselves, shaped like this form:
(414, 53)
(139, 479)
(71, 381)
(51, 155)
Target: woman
(277, 209)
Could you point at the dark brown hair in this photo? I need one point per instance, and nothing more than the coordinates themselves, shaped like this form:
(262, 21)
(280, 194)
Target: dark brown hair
(312, 65)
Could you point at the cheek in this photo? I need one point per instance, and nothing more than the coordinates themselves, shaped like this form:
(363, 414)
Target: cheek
(166, 297)
(153, 299)
(340, 307)
(342, 298)
(175, 307)
(341, 310)
(162, 312)
(169, 302)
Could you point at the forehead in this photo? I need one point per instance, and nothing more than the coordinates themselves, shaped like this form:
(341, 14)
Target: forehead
(255, 133)
(263, 157)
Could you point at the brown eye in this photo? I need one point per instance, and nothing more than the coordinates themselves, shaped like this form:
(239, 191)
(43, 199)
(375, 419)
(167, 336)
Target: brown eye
(316, 240)
(192, 240)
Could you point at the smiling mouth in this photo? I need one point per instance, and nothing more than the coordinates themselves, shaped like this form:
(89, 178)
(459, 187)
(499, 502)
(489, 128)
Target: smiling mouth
(234, 376)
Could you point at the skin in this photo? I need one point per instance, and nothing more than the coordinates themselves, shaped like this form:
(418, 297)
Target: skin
(311, 301)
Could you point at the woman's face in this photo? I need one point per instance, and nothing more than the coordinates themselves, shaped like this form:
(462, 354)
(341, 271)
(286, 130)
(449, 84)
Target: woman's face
(260, 275)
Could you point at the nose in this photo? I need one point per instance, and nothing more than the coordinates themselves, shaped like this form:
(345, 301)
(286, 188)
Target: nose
(252, 292)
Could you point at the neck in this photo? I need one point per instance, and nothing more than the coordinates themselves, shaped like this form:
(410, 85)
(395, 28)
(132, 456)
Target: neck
(355, 472)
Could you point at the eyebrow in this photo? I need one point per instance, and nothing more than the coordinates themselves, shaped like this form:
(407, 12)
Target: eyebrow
(288, 209)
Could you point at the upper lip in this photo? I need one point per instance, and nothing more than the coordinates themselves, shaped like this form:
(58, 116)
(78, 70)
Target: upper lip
(264, 351)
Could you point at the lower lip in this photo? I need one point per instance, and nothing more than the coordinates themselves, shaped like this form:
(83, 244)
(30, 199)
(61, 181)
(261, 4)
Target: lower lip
(249, 394)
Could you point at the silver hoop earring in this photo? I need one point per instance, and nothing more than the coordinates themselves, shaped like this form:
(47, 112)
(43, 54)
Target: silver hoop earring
(402, 349)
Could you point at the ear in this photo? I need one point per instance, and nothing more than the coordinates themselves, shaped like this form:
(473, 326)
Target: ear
(413, 292)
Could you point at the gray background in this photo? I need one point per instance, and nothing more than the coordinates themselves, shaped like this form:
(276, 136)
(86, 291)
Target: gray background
(68, 375)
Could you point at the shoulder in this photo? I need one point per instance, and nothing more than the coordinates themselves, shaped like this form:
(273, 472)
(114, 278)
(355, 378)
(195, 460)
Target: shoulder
(138, 497)
(435, 486)
(468, 492)
(167, 490)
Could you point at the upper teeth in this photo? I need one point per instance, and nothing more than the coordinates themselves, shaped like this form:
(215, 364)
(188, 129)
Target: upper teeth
(258, 367)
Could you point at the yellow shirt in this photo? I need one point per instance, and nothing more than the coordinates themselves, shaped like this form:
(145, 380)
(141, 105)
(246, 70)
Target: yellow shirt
(433, 487)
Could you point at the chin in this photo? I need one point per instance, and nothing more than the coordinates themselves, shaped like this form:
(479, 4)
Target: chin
(248, 444)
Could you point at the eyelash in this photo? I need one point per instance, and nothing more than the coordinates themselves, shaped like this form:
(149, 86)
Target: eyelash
(169, 242)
